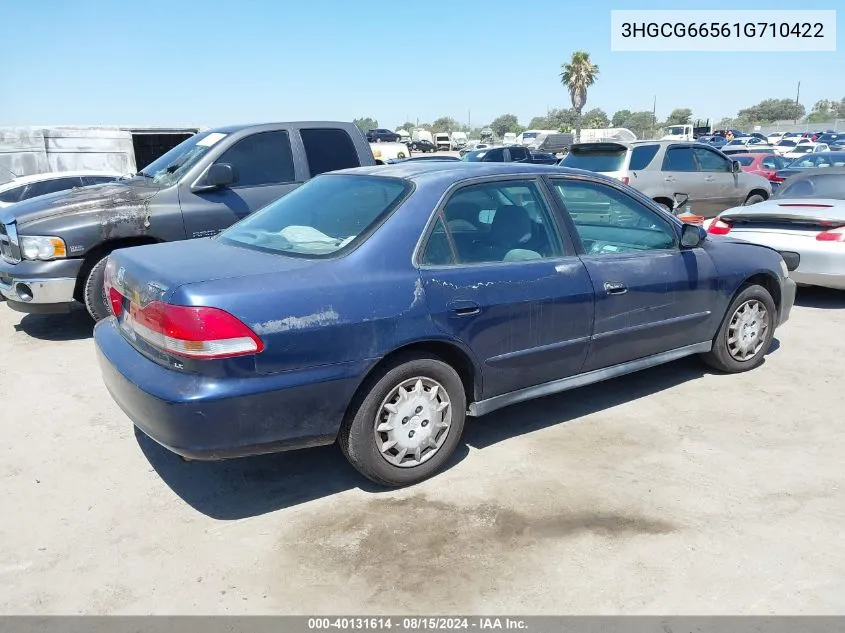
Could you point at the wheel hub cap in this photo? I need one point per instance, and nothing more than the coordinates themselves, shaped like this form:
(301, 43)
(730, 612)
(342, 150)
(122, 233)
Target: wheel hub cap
(747, 330)
(413, 422)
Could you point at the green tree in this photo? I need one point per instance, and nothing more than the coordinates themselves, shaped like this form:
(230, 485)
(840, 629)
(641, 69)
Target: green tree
(640, 123)
(679, 116)
(407, 125)
(840, 109)
(562, 119)
(619, 118)
(578, 75)
(445, 124)
(595, 119)
(504, 124)
(771, 110)
(365, 124)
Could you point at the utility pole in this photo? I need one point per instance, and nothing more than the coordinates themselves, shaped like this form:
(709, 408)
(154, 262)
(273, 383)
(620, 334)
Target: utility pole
(654, 114)
(797, 94)
(469, 120)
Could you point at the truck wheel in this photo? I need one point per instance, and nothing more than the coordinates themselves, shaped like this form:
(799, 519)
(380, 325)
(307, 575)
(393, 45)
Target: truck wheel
(746, 332)
(94, 293)
(405, 421)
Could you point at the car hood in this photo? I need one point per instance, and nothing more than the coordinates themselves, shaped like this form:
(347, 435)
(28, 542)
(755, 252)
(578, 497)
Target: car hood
(114, 197)
(790, 210)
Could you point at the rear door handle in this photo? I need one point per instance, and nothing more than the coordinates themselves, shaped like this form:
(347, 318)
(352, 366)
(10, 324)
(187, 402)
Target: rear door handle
(464, 308)
(615, 288)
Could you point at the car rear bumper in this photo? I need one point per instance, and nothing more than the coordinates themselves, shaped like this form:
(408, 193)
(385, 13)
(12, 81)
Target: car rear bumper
(821, 264)
(205, 417)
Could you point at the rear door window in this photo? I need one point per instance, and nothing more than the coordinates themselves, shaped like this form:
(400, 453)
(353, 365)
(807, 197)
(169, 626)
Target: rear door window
(679, 159)
(642, 155)
(12, 195)
(328, 150)
(261, 159)
(711, 161)
(518, 154)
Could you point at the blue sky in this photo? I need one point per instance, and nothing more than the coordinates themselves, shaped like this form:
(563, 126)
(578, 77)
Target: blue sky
(193, 62)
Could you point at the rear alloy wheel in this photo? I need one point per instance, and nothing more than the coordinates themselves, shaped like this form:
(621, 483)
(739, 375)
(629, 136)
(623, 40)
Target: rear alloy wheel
(746, 332)
(94, 292)
(405, 422)
(754, 199)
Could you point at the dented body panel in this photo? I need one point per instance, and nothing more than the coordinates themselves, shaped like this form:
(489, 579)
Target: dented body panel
(327, 323)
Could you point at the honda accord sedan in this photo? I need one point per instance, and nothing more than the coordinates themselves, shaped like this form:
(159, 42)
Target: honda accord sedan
(377, 307)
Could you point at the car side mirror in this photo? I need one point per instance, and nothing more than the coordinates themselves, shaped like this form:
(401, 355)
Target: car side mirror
(220, 175)
(692, 235)
(680, 200)
(735, 167)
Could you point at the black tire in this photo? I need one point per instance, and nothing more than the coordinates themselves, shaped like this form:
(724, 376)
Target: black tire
(357, 436)
(754, 199)
(720, 356)
(94, 292)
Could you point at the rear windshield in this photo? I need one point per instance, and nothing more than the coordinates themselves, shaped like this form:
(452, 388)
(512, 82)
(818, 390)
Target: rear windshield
(601, 160)
(816, 186)
(745, 161)
(329, 214)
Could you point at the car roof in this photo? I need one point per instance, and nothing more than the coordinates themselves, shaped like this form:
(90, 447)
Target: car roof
(231, 129)
(52, 175)
(457, 170)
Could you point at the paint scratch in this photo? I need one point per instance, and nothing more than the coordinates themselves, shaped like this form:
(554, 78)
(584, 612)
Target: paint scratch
(318, 319)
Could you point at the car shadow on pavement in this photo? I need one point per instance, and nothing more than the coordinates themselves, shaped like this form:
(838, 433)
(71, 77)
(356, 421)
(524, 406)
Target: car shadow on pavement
(75, 326)
(251, 486)
(817, 297)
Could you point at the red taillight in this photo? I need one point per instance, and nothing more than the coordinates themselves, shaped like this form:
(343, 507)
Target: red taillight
(626, 180)
(193, 332)
(833, 235)
(776, 178)
(115, 298)
(719, 227)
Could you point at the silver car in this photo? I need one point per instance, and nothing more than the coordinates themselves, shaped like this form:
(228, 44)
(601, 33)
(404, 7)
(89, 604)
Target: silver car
(662, 169)
(804, 220)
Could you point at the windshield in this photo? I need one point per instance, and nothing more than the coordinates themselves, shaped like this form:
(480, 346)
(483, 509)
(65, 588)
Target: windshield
(321, 217)
(596, 160)
(803, 149)
(818, 185)
(475, 156)
(528, 135)
(787, 143)
(168, 168)
(677, 130)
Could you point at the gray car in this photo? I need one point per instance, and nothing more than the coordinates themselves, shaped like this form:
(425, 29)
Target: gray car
(661, 169)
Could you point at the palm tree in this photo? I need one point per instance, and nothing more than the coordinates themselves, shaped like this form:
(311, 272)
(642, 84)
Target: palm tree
(578, 75)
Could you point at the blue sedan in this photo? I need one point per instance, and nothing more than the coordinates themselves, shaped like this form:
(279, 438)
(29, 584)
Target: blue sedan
(377, 307)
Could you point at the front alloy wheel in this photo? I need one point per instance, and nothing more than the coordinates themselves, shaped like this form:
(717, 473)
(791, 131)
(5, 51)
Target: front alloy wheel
(747, 330)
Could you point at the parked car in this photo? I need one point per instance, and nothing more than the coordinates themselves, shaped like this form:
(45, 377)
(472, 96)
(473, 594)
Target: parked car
(788, 144)
(509, 154)
(747, 149)
(805, 148)
(660, 169)
(760, 137)
(765, 165)
(715, 140)
(422, 145)
(393, 161)
(804, 220)
(383, 153)
(832, 139)
(746, 142)
(810, 161)
(456, 288)
(774, 137)
(54, 248)
(382, 135)
(27, 187)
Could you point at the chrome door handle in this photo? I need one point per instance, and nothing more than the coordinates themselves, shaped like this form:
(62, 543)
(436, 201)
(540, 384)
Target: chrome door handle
(615, 288)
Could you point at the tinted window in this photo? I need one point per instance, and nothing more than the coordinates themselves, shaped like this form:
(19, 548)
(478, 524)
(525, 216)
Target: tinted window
(518, 153)
(711, 161)
(496, 222)
(321, 217)
(12, 195)
(494, 156)
(642, 155)
(608, 221)
(327, 150)
(679, 159)
(437, 251)
(261, 159)
(51, 186)
(596, 159)
(745, 161)
(820, 185)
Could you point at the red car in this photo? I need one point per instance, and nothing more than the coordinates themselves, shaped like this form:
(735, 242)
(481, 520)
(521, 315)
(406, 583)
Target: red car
(765, 165)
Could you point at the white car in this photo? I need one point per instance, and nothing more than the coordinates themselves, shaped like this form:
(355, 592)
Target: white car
(806, 148)
(789, 144)
(26, 187)
(746, 141)
(774, 137)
